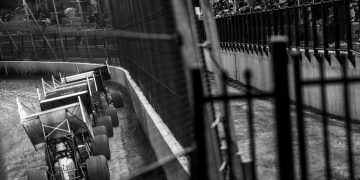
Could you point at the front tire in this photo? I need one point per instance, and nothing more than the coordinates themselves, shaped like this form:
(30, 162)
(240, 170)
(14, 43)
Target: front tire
(111, 111)
(100, 130)
(107, 122)
(101, 146)
(97, 168)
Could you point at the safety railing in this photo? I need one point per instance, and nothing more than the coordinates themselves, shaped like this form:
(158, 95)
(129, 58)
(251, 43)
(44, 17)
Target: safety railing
(323, 28)
(38, 47)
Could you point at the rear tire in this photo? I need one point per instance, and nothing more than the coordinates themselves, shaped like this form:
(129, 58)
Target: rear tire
(101, 146)
(117, 100)
(97, 168)
(107, 122)
(111, 111)
(100, 130)
(37, 175)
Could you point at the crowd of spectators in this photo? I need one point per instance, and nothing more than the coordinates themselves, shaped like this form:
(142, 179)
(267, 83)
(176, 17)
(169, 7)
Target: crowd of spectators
(5, 14)
(227, 7)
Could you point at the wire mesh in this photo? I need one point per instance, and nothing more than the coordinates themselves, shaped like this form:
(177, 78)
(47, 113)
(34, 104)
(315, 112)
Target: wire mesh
(156, 65)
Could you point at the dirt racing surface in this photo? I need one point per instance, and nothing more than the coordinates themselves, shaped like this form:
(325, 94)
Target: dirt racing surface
(266, 158)
(130, 149)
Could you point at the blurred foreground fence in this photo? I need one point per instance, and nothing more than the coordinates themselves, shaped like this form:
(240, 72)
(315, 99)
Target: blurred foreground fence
(298, 152)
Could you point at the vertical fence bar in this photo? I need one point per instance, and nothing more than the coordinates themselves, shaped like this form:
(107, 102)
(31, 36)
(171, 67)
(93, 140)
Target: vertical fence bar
(325, 120)
(296, 24)
(288, 25)
(281, 21)
(335, 5)
(228, 32)
(221, 36)
(232, 39)
(269, 26)
(245, 33)
(347, 118)
(282, 109)
(237, 32)
(264, 30)
(250, 33)
(299, 116)
(275, 22)
(251, 129)
(258, 34)
(306, 27)
(231, 31)
(314, 30)
(199, 155)
(254, 30)
(227, 117)
(242, 32)
(324, 28)
(233, 161)
(348, 32)
(348, 121)
(221, 21)
(223, 33)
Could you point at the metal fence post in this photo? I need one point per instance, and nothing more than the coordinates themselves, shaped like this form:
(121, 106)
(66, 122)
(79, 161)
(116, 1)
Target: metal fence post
(282, 109)
(199, 164)
(314, 8)
(299, 115)
(348, 32)
(336, 29)
(324, 12)
(306, 27)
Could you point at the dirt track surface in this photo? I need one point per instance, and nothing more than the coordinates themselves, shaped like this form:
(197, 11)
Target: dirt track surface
(130, 149)
(265, 140)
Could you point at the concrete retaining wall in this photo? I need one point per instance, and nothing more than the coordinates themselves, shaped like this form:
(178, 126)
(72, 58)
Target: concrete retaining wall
(260, 66)
(159, 135)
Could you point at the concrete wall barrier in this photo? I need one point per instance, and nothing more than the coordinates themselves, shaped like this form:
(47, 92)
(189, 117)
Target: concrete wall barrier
(260, 66)
(161, 139)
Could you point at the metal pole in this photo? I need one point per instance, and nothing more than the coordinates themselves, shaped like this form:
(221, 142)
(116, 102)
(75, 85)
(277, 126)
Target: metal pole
(83, 28)
(282, 107)
(29, 27)
(59, 31)
(213, 39)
